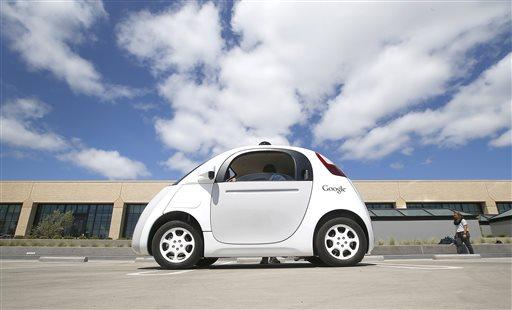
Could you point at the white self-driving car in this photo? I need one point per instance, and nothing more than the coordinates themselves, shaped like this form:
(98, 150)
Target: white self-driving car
(257, 201)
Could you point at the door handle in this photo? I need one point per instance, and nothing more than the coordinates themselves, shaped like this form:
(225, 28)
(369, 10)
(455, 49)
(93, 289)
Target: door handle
(263, 190)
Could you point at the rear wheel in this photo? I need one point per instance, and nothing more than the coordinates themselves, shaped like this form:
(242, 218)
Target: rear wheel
(206, 261)
(176, 245)
(340, 242)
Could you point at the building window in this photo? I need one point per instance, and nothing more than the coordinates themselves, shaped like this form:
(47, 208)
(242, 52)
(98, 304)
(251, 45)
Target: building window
(133, 212)
(504, 206)
(467, 207)
(9, 214)
(379, 205)
(90, 220)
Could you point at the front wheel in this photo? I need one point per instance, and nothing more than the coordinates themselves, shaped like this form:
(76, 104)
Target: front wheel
(340, 242)
(176, 245)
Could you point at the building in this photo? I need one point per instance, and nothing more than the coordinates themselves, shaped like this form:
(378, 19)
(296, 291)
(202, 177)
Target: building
(110, 209)
(501, 224)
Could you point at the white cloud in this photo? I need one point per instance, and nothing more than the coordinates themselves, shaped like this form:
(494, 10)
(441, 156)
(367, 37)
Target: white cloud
(43, 34)
(425, 54)
(385, 59)
(180, 162)
(373, 92)
(210, 118)
(17, 126)
(18, 155)
(478, 110)
(145, 106)
(110, 164)
(407, 151)
(25, 108)
(173, 39)
(18, 134)
(397, 165)
(427, 161)
(504, 140)
(20, 122)
(227, 108)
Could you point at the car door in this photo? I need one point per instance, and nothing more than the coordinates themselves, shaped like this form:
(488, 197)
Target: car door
(251, 205)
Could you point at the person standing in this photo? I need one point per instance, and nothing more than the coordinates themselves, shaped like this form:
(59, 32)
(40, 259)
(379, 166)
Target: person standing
(461, 234)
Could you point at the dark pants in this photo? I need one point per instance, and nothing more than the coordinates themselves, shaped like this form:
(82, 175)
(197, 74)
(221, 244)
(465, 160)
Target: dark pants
(460, 241)
(271, 260)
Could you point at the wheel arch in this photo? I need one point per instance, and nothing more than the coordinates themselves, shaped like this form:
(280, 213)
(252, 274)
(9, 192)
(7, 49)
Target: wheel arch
(171, 216)
(340, 213)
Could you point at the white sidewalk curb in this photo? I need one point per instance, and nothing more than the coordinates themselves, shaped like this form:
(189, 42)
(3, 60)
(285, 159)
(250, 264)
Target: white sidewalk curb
(144, 260)
(457, 256)
(67, 259)
(372, 258)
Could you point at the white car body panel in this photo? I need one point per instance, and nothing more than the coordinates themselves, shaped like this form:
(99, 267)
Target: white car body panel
(193, 199)
(228, 232)
(149, 216)
(258, 212)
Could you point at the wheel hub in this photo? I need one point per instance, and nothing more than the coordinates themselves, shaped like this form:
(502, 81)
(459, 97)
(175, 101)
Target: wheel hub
(341, 242)
(177, 245)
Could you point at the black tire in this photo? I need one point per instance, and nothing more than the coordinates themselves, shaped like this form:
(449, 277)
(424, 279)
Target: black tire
(206, 261)
(321, 245)
(314, 260)
(195, 253)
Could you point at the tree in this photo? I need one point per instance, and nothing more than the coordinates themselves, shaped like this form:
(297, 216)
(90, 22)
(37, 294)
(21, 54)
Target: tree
(54, 225)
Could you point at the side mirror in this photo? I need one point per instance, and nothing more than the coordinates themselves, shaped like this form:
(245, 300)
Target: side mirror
(206, 177)
(305, 174)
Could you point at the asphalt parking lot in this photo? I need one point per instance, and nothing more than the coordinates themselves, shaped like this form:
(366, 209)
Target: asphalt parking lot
(475, 284)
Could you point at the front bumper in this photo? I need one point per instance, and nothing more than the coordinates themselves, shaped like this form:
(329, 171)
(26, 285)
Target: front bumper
(151, 213)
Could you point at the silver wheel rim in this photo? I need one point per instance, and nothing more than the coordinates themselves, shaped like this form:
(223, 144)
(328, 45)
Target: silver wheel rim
(341, 242)
(177, 245)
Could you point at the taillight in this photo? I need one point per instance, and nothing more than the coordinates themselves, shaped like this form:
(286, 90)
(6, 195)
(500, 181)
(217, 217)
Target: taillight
(330, 166)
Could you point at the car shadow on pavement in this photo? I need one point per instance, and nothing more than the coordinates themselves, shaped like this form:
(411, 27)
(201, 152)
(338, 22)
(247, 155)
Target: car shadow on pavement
(258, 266)
(276, 266)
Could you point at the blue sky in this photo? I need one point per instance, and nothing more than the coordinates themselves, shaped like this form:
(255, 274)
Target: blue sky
(94, 90)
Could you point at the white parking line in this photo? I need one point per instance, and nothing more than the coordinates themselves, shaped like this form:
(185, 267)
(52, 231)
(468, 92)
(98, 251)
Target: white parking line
(225, 263)
(157, 273)
(41, 266)
(161, 273)
(25, 267)
(420, 267)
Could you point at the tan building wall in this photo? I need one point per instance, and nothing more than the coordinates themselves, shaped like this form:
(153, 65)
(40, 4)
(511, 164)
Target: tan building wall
(400, 192)
(120, 193)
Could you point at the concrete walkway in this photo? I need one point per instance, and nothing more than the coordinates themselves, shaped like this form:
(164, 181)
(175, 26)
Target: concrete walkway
(399, 284)
(124, 253)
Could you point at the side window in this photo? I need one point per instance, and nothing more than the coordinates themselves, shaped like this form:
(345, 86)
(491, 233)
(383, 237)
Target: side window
(261, 166)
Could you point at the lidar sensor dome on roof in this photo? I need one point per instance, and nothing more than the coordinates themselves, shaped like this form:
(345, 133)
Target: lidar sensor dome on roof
(265, 143)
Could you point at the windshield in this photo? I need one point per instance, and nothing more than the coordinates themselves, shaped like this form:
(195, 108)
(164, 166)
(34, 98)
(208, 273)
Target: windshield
(186, 175)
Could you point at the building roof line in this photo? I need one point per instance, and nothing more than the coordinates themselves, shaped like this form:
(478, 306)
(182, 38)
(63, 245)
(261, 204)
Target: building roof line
(170, 181)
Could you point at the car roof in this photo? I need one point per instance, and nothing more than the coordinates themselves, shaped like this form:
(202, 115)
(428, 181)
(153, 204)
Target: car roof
(255, 147)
